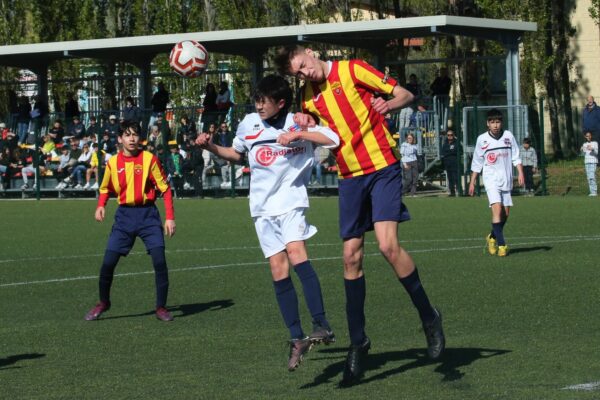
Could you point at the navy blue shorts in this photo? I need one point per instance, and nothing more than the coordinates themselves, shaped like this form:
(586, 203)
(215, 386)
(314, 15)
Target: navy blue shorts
(132, 222)
(371, 198)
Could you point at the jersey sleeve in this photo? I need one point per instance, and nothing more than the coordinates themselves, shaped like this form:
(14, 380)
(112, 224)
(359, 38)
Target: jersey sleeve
(105, 187)
(477, 162)
(325, 131)
(516, 154)
(239, 141)
(371, 78)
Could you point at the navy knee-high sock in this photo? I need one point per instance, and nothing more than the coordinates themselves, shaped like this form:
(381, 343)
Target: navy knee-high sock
(412, 284)
(312, 292)
(498, 229)
(107, 270)
(356, 292)
(161, 275)
(288, 305)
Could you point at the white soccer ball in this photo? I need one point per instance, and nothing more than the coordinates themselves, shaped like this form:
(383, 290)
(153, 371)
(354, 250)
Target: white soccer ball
(188, 58)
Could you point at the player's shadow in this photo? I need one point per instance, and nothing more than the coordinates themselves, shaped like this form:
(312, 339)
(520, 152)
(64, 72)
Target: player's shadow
(448, 366)
(10, 360)
(516, 250)
(184, 310)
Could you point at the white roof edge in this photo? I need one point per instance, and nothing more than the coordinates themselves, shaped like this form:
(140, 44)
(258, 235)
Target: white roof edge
(253, 33)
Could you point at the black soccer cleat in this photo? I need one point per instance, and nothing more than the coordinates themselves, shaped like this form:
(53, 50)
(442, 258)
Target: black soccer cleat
(298, 348)
(355, 363)
(434, 333)
(321, 334)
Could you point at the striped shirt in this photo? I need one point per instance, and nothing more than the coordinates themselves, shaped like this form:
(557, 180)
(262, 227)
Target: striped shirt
(343, 103)
(135, 180)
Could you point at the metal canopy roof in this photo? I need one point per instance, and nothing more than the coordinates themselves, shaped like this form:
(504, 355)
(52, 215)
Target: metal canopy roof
(252, 42)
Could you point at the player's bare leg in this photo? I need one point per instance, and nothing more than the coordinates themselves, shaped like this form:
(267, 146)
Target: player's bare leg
(386, 233)
(288, 305)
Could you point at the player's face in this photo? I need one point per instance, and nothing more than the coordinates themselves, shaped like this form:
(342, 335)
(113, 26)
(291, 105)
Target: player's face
(495, 126)
(307, 67)
(130, 140)
(267, 107)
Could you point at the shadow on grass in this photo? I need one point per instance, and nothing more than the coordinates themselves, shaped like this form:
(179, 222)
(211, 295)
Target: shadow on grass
(528, 249)
(184, 310)
(448, 366)
(10, 360)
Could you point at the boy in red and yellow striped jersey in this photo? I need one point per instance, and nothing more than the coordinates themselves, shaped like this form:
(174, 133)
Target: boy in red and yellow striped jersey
(135, 176)
(347, 96)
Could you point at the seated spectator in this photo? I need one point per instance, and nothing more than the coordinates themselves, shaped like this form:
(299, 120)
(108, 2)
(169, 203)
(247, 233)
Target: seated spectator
(48, 145)
(28, 168)
(107, 145)
(186, 131)
(131, 112)
(57, 132)
(5, 164)
(83, 163)
(93, 128)
(77, 129)
(155, 137)
(113, 127)
(62, 170)
(93, 169)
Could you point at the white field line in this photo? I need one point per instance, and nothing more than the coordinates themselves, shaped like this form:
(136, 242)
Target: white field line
(236, 248)
(584, 386)
(263, 262)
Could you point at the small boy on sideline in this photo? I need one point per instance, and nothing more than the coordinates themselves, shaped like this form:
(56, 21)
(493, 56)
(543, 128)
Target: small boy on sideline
(496, 151)
(280, 155)
(135, 177)
(530, 161)
(590, 153)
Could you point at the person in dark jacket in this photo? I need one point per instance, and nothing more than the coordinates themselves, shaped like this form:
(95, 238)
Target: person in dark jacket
(450, 161)
(194, 166)
(591, 119)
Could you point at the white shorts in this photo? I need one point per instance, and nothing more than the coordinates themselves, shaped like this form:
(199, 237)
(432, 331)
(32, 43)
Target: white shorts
(275, 232)
(499, 196)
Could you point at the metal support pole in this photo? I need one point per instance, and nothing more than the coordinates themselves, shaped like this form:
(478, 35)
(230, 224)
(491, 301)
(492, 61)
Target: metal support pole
(542, 147)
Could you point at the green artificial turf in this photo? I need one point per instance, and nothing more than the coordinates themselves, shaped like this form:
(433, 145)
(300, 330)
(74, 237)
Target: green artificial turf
(520, 327)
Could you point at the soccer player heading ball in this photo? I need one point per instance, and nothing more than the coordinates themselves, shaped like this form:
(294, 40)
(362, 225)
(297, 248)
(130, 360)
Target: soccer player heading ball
(496, 151)
(351, 97)
(280, 155)
(135, 177)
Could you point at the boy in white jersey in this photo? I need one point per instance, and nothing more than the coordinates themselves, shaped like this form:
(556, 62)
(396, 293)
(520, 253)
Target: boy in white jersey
(496, 151)
(280, 155)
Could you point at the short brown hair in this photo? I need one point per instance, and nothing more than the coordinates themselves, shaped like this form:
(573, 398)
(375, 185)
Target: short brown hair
(283, 57)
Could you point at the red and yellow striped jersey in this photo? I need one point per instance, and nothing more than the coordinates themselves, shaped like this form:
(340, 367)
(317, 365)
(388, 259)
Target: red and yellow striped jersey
(343, 103)
(134, 180)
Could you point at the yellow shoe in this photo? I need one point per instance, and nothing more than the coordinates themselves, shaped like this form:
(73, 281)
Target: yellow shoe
(491, 245)
(502, 251)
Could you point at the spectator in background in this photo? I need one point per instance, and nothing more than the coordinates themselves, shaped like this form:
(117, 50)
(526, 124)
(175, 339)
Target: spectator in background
(529, 162)
(591, 119)
(5, 168)
(163, 127)
(414, 87)
(62, 171)
(194, 167)
(48, 145)
(410, 169)
(80, 168)
(590, 152)
(441, 84)
(321, 156)
(77, 128)
(223, 135)
(159, 102)
(390, 124)
(94, 129)
(223, 100)
(113, 127)
(131, 112)
(27, 168)
(209, 105)
(155, 137)
(106, 144)
(93, 168)
(186, 131)
(71, 108)
(13, 108)
(23, 119)
(9, 141)
(450, 161)
(174, 167)
(57, 132)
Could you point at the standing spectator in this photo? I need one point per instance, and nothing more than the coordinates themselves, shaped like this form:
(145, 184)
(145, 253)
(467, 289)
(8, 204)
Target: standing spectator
(23, 119)
(591, 119)
(194, 167)
(590, 152)
(39, 113)
(223, 100)
(529, 162)
(410, 168)
(71, 111)
(441, 84)
(369, 187)
(414, 87)
(159, 102)
(131, 112)
(209, 106)
(450, 161)
(174, 167)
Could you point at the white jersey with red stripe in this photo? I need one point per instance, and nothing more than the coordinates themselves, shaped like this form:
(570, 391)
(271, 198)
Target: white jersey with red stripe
(278, 174)
(494, 158)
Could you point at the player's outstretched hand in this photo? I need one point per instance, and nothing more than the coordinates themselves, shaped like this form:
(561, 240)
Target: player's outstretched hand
(99, 214)
(521, 180)
(304, 121)
(286, 138)
(380, 105)
(203, 139)
(169, 228)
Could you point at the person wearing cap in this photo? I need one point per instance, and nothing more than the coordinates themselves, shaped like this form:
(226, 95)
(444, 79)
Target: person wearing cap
(113, 126)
